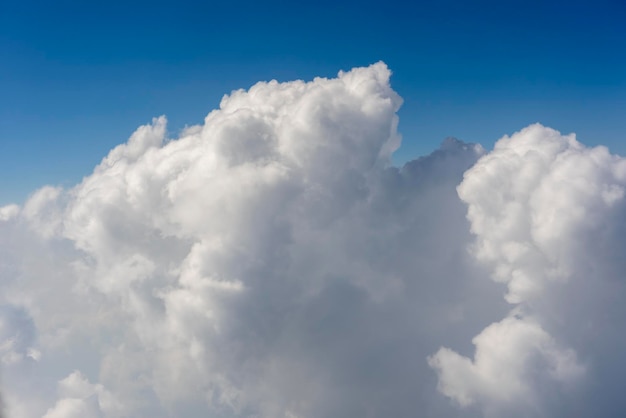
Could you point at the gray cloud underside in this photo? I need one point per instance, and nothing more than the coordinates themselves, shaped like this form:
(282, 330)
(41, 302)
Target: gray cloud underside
(271, 262)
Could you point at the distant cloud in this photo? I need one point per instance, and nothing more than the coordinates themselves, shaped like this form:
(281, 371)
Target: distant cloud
(272, 262)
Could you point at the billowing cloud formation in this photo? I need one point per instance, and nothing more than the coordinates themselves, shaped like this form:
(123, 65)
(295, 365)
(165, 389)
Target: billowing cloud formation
(548, 215)
(272, 263)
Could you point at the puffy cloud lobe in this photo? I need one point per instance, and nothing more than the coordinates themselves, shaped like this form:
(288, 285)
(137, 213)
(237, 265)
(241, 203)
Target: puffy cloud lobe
(529, 199)
(81, 399)
(541, 205)
(271, 262)
(8, 212)
(507, 353)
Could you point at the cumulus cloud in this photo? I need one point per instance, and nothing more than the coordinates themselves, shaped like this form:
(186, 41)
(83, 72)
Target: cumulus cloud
(547, 214)
(271, 262)
(81, 399)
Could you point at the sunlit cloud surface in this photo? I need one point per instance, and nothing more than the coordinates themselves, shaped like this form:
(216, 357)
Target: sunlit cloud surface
(272, 262)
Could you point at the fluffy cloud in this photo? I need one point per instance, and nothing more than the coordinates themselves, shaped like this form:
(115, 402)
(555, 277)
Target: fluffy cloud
(81, 399)
(272, 262)
(547, 214)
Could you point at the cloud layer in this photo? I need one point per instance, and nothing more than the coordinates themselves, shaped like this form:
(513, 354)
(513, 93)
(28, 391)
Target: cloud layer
(271, 262)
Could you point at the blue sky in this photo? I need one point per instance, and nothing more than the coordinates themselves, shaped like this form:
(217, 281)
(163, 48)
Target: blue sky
(76, 78)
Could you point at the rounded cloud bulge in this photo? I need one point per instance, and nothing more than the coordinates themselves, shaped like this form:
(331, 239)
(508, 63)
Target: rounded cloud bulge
(272, 262)
(548, 217)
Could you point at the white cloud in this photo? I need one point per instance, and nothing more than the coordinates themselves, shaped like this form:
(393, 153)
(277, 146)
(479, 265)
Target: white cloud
(508, 353)
(271, 262)
(544, 210)
(8, 212)
(78, 398)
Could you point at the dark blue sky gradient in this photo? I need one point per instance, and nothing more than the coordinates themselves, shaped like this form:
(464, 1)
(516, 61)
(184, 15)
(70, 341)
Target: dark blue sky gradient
(76, 78)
